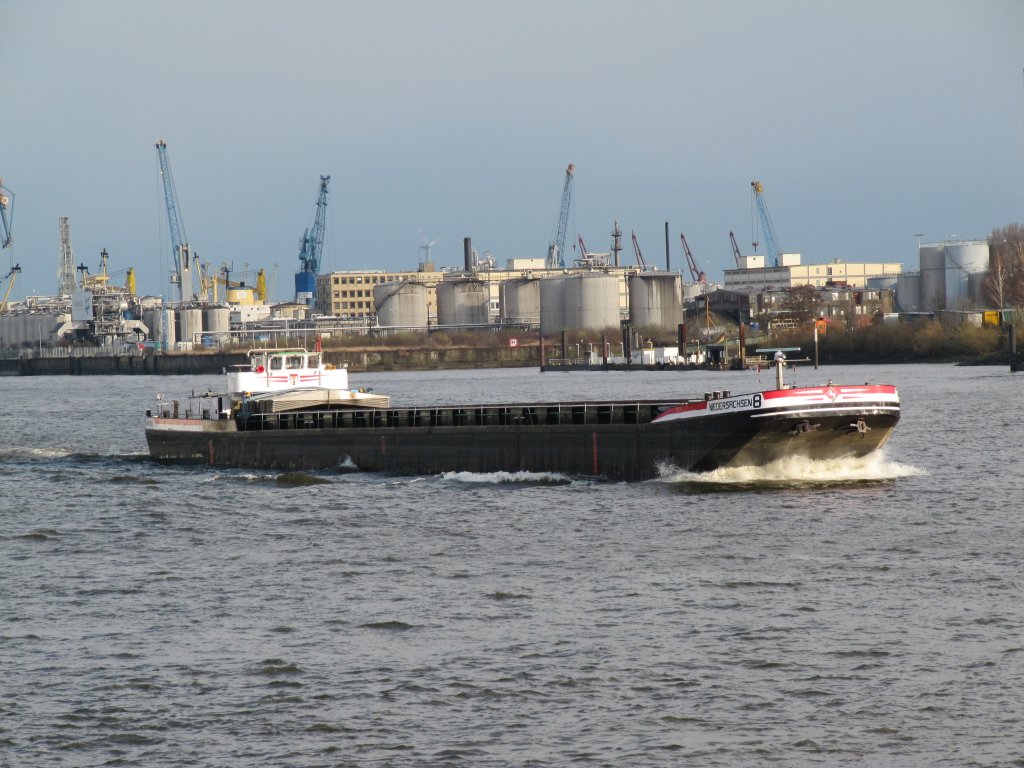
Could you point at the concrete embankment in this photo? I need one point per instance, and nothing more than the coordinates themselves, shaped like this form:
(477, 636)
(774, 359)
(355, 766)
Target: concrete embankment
(368, 359)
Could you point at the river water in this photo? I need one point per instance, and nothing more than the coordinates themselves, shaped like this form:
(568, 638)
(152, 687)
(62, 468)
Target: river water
(818, 615)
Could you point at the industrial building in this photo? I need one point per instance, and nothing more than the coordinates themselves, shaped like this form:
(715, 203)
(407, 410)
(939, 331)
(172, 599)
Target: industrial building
(755, 277)
(523, 293)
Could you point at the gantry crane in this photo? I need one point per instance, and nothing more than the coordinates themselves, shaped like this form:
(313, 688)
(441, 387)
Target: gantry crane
(182, 276)
(698, 275)
(771, 243)
(555, 258)
(310, 247)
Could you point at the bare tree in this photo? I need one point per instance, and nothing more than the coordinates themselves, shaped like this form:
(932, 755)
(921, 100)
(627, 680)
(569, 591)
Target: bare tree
(1006, 257)
(997, 283)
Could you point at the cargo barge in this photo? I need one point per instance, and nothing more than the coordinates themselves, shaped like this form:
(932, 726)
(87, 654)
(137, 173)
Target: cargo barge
(308, 420)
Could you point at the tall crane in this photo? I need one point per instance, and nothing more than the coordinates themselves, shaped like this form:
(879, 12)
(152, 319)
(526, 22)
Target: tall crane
(698, 275)
(310, 247)
(735, 250)
(555, 258)
(639, 256)
(7, 238)
(6, 212)
(771, 243)
(182, 276)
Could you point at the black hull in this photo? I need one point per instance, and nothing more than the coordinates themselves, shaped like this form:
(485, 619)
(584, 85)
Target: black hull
(616, 451)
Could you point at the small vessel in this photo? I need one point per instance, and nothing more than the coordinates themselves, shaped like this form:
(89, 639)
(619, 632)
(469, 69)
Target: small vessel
(287, 410)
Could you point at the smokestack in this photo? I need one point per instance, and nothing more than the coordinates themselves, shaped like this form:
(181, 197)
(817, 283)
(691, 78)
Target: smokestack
(668, 261)
(467, 253)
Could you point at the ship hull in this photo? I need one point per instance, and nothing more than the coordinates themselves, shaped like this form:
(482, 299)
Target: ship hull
(617, 441)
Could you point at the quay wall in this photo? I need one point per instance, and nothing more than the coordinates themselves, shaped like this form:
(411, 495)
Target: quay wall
(361, 360)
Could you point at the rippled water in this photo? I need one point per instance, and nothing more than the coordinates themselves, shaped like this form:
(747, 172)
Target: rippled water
(839, 614)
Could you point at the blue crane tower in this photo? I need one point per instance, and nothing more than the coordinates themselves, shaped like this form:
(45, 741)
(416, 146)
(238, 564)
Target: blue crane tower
(182, 275)
(310, 247)
(771, 243)
(555, 258)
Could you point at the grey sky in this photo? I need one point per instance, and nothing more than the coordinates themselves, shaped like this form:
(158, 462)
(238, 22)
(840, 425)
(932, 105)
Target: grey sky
(867, 123)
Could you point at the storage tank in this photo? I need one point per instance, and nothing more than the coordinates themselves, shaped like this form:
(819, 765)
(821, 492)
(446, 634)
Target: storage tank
(190, 325)
(520, 301)
(591, 301)
(963, 259)
(463, 302)
(401, 304)
(552, 304)
(908, 292)
(217, 325)
(655, 300)
(933, 277)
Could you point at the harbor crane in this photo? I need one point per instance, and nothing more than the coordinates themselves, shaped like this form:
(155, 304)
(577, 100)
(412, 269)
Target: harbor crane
(697, 275)
(7, 238)
(735, 250)
(771, 243)
(182, 276)
(310, 247)
(639, 256)
(9, 277)
(6, 212)
(555, 259)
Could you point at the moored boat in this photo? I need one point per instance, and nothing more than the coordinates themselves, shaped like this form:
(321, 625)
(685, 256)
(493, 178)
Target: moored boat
(618, 440)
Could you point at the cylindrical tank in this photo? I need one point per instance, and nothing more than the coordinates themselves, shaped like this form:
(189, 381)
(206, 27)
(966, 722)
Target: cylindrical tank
(933, 277)
(463, 302)
(552, 304)
(190, 325)
(401, 304)
(885, 282)
(520, 300)
(962, 260)
(591, 301)
(908, 292)
(655, 300)
(217, 324)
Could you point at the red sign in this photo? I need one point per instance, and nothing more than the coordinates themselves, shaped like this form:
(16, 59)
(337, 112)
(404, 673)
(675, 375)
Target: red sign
(513, 342)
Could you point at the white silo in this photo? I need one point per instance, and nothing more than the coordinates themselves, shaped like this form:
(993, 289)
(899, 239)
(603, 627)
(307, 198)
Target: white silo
(519, 300)
(933, 276)
(190, 327)
(463, 302)
(401, 304)
(591, 301)
(552, 304)
(908, 292)
(962, 259)
(217, 325)
(655, 300)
